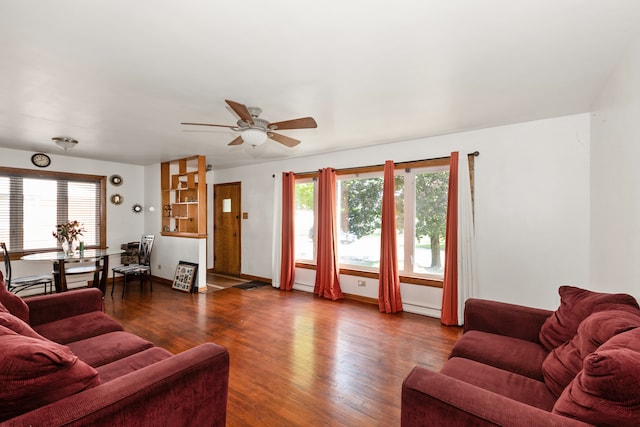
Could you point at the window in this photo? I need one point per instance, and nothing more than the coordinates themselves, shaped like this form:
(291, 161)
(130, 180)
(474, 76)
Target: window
(33, 202)
(304, 220)
(421, 209)
(359, 208)
(421, 220)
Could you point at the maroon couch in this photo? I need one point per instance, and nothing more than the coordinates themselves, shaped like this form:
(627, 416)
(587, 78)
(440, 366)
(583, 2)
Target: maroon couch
(521, 366)
(64, 362)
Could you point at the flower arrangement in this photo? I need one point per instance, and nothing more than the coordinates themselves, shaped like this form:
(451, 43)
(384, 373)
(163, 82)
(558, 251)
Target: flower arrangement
(68, 232)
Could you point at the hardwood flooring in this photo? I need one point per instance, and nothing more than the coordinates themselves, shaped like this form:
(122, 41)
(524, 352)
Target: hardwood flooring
(296, 359)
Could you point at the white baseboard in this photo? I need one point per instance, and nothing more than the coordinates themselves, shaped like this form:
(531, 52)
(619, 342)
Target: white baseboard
(420, 309)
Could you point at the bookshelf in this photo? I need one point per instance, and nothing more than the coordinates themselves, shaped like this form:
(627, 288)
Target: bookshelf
(184, 197)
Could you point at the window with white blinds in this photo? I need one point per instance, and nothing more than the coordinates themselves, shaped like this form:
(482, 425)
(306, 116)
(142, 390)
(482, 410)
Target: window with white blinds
(32, 203)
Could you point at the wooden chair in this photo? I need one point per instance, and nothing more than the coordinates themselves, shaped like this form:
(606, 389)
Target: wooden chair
(142, 269)
(19, 284)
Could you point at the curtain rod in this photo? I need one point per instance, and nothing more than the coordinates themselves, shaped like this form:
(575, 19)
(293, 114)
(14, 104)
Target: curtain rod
(474, 154)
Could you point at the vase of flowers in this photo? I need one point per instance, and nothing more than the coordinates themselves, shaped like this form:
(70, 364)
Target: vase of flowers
(67, 235)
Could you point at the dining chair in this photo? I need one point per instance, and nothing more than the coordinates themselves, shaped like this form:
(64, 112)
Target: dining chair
(142, 269)
(19, 284)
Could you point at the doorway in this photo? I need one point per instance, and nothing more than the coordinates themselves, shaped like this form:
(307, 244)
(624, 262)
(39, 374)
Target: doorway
(226, 228)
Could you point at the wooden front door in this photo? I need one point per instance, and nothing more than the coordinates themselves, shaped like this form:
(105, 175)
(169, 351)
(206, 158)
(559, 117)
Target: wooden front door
(226, 228)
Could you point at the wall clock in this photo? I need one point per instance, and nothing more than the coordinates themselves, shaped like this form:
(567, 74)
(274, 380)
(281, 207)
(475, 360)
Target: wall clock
(41, 160)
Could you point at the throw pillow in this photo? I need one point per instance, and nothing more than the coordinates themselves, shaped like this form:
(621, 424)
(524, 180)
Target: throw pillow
(607, 390)
(34, 373)
(575, 305)
(563, 363)
(10, 321)
(12, 302)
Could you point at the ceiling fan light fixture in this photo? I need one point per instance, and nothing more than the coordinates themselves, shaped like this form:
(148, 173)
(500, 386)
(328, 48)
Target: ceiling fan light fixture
(254, 136)
(64, 143)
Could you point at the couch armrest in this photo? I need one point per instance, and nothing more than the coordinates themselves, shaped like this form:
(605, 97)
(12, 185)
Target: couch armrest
(433, 399)
(49, 308)
(500, 318)
(189, 388)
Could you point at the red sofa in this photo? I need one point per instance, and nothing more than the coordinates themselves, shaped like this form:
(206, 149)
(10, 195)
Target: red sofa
(521, 366)
(65, 362)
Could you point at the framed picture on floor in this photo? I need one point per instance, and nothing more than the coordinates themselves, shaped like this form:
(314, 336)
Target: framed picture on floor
(185, 277)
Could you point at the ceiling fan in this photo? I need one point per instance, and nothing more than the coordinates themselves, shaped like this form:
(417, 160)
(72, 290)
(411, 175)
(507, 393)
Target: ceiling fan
(255, 130)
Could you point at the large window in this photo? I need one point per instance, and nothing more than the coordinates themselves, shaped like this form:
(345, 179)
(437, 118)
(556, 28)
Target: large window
(421, 209)
(33, 202)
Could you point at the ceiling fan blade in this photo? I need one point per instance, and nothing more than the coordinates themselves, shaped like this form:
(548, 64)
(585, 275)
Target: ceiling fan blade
(302, 123)
(237, 141)
(285, 140)
(209, 124)
(241, 110)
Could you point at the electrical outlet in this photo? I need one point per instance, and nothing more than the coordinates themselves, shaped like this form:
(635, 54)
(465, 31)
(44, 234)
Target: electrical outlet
(362, 283)
(159, 267)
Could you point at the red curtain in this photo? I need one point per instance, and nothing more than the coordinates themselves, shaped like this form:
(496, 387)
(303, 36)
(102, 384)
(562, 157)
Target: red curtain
(327, 282)
(449, 314)
(288, 265)
(389, 299)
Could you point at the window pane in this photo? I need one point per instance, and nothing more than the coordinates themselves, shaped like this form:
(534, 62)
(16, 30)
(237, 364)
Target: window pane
(360, 214)
(40, 212)
(304, 221)
(82, 202)
(399, 184)
(4, 210)
(431, 216)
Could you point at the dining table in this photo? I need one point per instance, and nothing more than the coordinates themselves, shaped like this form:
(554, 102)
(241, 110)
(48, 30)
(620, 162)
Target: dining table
(94, 261)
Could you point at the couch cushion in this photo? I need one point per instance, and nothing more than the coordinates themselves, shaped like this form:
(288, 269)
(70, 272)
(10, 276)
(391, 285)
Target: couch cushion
(78, 327)
(511, 354)
(12, 302)
(607, 390)
(514, 386)
(563, 363)
(106, 348)
(10, 321)
(132, 363)
(35, 372)
(575, 305)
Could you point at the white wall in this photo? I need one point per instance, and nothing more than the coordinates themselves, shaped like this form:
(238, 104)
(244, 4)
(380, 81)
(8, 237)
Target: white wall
(531, 206)
(531, 194)
(615, 179)
(123, 225)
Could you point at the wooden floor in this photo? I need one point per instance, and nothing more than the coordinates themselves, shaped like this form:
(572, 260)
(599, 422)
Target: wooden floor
(296, 359)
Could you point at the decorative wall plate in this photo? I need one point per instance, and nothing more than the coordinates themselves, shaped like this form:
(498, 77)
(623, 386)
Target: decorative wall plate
(115, 180)
(137, 208)
(117, 199)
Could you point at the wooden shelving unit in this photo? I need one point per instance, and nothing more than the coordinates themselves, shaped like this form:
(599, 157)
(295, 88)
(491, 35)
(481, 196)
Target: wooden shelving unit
(184, 197)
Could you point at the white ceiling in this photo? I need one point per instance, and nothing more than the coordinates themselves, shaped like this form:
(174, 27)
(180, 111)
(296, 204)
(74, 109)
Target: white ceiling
(120, 75)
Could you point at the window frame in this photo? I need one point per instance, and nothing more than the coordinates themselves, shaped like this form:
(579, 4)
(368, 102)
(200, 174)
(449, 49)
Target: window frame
(405, 277)
(60, 176)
